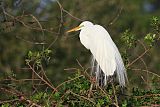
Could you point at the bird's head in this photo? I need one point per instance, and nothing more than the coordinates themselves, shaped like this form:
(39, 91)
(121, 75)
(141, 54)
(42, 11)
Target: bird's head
(81, 26)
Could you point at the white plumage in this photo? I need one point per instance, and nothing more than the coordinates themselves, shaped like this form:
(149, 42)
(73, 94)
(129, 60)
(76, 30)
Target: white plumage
(106, 56)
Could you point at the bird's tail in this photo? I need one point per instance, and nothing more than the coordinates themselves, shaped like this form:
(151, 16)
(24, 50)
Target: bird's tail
(121, 70)
(102, 79)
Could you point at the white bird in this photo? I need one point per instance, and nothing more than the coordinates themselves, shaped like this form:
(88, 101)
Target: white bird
(106, 57)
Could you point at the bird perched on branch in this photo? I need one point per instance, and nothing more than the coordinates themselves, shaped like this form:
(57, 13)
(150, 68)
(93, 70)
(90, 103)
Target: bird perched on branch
(106, 60)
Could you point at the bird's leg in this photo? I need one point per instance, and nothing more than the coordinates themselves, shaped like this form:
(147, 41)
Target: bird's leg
(93, 80)
(114, 92)
(90, 90)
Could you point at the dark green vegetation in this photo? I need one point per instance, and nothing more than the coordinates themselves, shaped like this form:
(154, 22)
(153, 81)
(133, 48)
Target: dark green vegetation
(41, 65)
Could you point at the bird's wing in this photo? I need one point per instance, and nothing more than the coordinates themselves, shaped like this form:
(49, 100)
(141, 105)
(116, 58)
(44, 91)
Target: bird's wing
(102, 48)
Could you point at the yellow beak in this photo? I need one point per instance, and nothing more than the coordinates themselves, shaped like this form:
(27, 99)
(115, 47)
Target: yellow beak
(74, 29)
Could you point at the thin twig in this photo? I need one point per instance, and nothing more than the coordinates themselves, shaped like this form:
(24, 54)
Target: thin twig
(80, 64)
(41, 78)
(68, 81)
(45, 75)
(9, 101)
(140, 56)
(53, 42)
(82, 97)
(64, 83)
(146, 68)
(68, 69)
(25, 25)
(20, 80)
(147, 71)
(36, 43)
(62, 9)
(116, 17)
(114, 92)
(41, 28)
(148, 95)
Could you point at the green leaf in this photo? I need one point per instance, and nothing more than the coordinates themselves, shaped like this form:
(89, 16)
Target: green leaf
(5, 105)
(30, 54)
(128, 39)
(56, 96)
(150, 39)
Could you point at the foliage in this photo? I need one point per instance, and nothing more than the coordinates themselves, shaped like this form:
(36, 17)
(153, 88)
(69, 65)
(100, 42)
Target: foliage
(129, 39)
(150, 39)
(155, 24)
(143, 97)
(38, 57)
(79, 91)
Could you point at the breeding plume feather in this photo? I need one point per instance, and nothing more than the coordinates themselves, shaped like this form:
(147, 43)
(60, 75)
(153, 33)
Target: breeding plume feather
(106, 60)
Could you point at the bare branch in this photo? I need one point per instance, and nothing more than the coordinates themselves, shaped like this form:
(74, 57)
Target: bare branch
(140, 56)
(41, 78)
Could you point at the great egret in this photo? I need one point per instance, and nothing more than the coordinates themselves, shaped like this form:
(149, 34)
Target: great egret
(106, 57)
